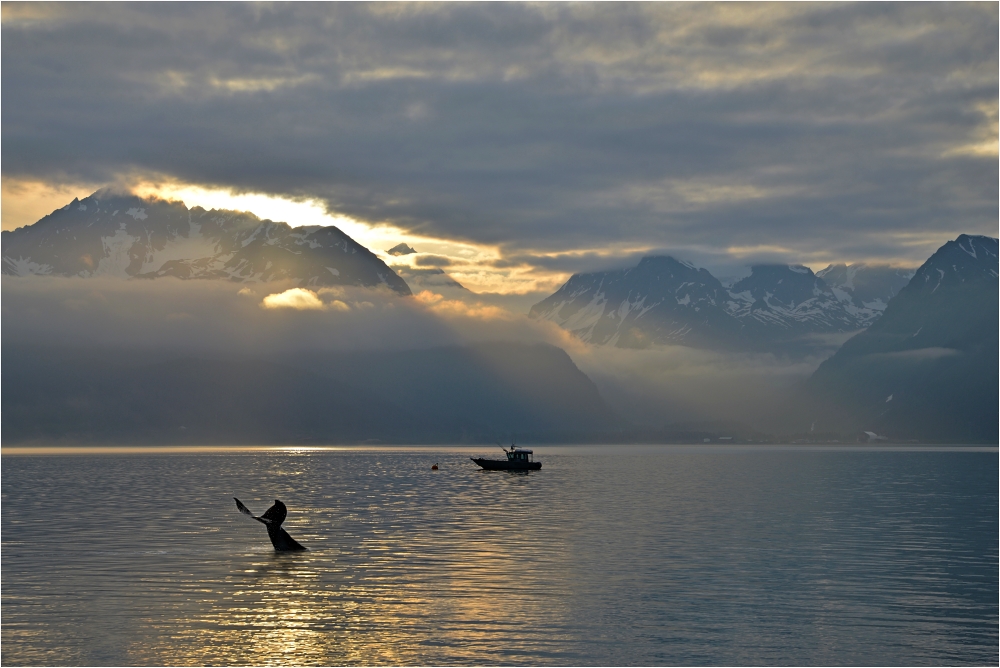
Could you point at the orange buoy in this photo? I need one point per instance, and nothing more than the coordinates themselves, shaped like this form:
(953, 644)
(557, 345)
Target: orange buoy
(434, 468)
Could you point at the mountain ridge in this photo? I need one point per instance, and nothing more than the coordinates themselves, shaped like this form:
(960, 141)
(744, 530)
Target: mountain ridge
(663, 300)
(123, 235)
(927, 369)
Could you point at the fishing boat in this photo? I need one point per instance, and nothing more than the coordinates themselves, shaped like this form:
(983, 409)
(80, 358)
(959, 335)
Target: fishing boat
(518, 459)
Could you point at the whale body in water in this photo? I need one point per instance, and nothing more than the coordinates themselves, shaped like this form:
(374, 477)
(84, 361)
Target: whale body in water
(272, 519)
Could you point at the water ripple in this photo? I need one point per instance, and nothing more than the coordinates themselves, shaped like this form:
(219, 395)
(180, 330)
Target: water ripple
(666, 556)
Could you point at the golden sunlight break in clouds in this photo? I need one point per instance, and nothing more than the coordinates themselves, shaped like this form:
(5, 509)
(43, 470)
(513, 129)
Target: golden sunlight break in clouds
(470, 264)
(480, 268)
(25, 202)
(473, 265)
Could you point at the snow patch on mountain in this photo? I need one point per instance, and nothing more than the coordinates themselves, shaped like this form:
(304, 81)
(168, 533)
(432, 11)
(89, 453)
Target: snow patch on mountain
(179, 248)
(24, 267)
(865, 290)
(116, 258)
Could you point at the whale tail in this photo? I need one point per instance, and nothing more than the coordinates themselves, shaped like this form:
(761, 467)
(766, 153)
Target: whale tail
(272, 519)
(243, 509)
(276, 514)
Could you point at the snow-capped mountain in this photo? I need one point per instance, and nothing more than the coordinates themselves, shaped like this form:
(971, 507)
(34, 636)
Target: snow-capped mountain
(865, 289)
(966, 260)
(785, 301)
(928, 367)
(110, 234)
(662, 300)
(941, 305)
(665, 301)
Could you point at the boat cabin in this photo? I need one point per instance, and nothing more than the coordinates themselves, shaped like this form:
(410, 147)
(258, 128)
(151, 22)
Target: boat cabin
(520, 455)
(518, 459)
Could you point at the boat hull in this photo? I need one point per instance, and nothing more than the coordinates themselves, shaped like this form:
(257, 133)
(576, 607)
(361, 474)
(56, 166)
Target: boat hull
(505, 465)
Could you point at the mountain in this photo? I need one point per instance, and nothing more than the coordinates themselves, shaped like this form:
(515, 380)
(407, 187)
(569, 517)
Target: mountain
(927, 369)
(401, 249)
(423, 278)
(441, 395)
(111, 234)
(428, 278)
(666, 301)
(782, 303)
(661, 300)
(865, 289)
(489, 388)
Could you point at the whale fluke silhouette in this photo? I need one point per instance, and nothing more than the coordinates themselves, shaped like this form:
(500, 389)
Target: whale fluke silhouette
(272, 519)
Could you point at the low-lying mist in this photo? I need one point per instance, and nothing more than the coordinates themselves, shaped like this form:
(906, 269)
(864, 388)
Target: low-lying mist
(172, 318)
(682, 386)
(260, 319)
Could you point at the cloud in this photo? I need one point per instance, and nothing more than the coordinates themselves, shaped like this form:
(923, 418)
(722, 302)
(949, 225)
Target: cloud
(219, 318)
(451, 309)
(432, 261)
(916, 355)
(675, 384)
(296, 298)
(303, 299)
(826, 130)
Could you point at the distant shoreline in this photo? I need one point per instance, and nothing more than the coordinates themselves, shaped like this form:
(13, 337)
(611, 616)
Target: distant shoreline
(638, 448)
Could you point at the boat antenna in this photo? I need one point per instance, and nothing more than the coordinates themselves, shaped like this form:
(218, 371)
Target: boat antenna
(501, 447)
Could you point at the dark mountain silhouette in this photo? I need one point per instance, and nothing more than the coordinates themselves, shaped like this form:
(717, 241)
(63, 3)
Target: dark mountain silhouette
(441, 395)
(927, 369)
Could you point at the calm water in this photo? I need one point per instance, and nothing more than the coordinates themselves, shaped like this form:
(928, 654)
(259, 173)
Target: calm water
(652, 556)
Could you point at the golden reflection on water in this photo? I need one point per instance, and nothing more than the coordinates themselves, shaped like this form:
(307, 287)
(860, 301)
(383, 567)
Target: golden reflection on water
(686, 558)
(266, 614)
(429, 600)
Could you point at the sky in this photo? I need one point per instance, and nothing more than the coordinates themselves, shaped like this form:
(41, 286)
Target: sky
(516, 144)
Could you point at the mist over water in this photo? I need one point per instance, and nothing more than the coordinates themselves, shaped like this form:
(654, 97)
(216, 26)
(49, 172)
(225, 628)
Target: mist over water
(659, 555)
(678, 384)
(173, 319)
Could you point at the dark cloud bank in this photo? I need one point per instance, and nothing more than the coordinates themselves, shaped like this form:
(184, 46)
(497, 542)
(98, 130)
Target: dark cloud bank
(842, 131)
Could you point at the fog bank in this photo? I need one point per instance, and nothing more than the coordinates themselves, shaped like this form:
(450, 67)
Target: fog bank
(655, 387)
(215, 316)
(677, 385)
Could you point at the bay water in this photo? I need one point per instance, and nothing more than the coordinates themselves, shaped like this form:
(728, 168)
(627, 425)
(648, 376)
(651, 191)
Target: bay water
(606, 556)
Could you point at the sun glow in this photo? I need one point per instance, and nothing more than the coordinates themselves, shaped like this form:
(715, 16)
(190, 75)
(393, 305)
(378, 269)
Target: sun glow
(25, 201)
(475, 266)
(295, 212)
(470, 264)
